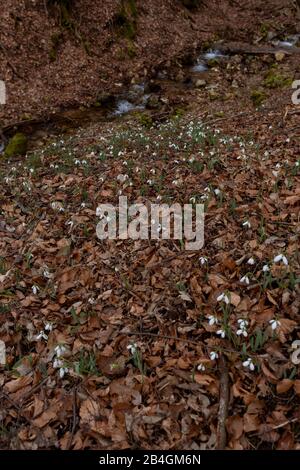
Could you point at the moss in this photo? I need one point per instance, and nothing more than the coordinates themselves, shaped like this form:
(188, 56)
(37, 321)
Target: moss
(258, 97)
(55, 42)
(126, 19)
(178, 114)
(144, 119)
(276, 80)
(131, 50)
(16, 146)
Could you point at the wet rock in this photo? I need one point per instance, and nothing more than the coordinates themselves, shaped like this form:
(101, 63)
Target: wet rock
(200, 83)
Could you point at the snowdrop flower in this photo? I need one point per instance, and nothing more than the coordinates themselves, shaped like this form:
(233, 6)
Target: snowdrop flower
(175, 182)
(203, 260)
(77, 162)
(59, 350)
(217, 192)
(35, 289)
(274, 324)
(91, 301)
(152, 171)
(275, 173)
(212, 320)
(243, 332)
(223, 298)
(122, 178)
(246, 224)
(201, 367)
(150, 182)
(251, 261)
(63, 371)
(57, 363)
(48, 327)
(245, 280)
(99, 211)
(83, 205)
(132, 348)
(42, 335)
(221, 333)
(282, 258)
(265, 268)
(249, 364)
(213, 355)
(71, 223)
(193, 199)
(46, 274)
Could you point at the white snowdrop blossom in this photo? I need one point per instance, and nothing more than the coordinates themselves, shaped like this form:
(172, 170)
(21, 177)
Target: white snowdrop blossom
(280, 258)
(203, 260)
(245, 280)
(48, 327)
(223, 298)
(243, 324)
(249, 364)
(265, 268)
(63, 371)
(221, 333)
(213, 355)
(246, 224)
(274, 324)
(42, 335)
(46, 274)
(212, 320)
(99, 211)
(122, 178)
(57, 363)
(59, 350)
(251, 261)
(217, 192)
(132, 348)
(35, 289)
(201, 367)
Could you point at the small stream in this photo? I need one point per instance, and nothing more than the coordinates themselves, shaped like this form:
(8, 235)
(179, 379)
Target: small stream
(137, 98)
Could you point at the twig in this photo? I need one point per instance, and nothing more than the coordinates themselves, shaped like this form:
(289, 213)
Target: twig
(223, 405)
(33, 389)
(74, 421)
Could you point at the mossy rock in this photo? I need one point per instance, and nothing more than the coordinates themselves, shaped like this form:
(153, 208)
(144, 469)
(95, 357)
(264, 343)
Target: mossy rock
(16, 146)
(258, 97)
(144, 119)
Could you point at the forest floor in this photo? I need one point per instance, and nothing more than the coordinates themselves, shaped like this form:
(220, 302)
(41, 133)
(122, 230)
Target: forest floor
(134, 344)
